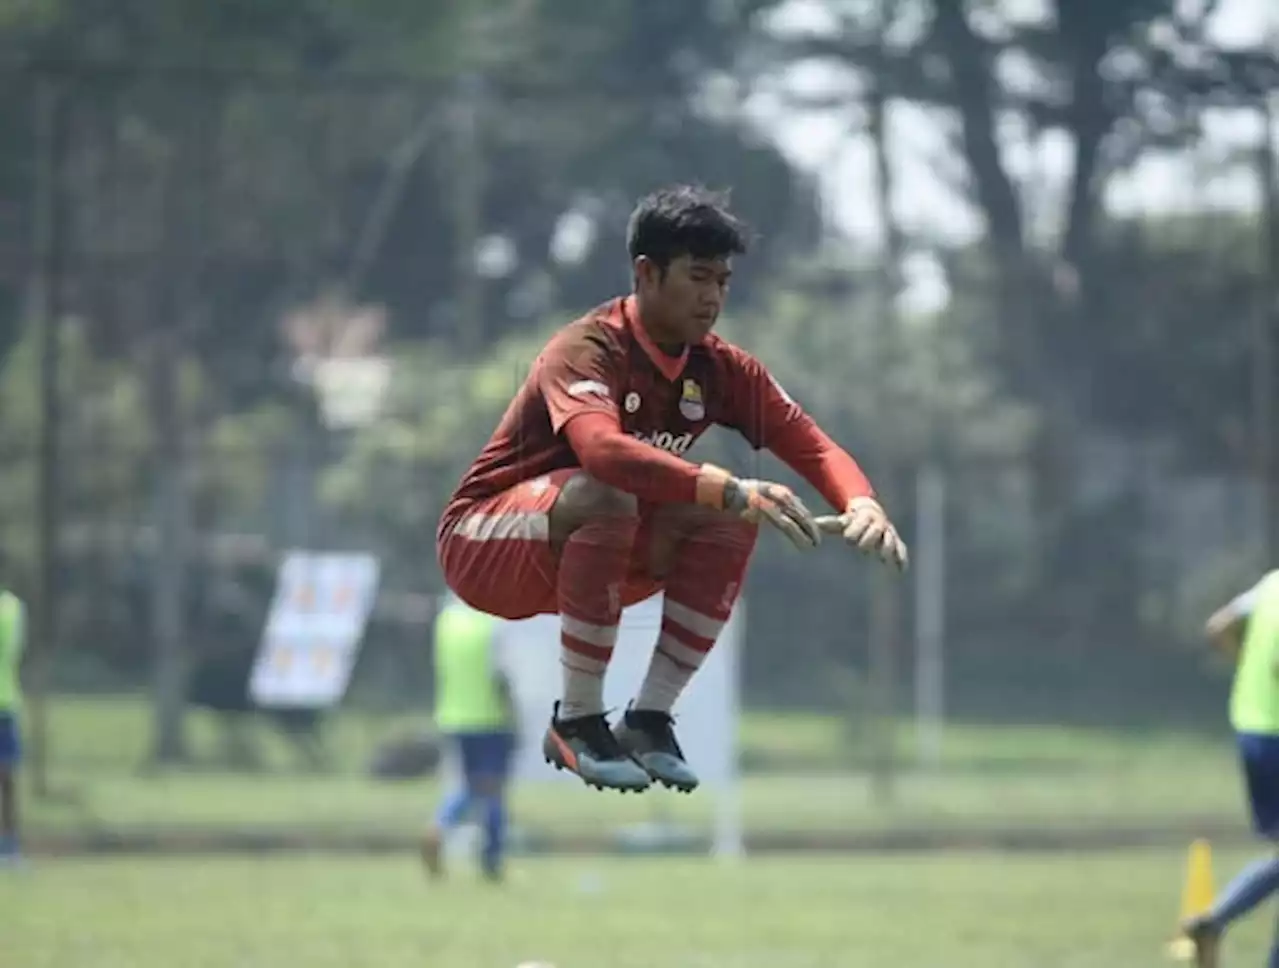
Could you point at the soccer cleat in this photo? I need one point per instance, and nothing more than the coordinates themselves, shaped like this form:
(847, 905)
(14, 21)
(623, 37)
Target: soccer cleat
(585, 746)
(649, 736)
(1205, 935)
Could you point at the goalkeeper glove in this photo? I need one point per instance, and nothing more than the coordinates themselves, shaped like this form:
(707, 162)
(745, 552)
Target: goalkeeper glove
(757, 501)
(866, 526)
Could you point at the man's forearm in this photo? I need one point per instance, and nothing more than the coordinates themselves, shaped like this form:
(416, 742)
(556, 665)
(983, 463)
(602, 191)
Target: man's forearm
(630, 465)
(831, 470)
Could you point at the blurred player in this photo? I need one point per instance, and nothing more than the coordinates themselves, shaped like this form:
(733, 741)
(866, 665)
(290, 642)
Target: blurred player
(474, 713)
(1249, 628)
(582, 503)
(12, 635)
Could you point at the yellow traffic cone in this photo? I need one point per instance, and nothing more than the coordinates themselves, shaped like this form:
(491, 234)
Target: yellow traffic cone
(1197, 896)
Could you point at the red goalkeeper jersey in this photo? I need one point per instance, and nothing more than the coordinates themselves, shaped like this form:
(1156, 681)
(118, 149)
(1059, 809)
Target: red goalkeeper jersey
(603, 397)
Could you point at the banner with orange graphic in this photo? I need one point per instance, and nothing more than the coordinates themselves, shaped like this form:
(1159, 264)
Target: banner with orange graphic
(314, 630)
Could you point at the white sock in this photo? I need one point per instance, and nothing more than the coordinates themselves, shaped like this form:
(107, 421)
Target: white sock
(582, 693)
(686, 638)
(663, 683)
(585, 650)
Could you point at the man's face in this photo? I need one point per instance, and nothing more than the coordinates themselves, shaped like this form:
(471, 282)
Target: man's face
(689, 295)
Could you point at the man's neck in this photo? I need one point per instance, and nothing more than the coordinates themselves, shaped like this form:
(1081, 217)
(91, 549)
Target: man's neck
(672, 346)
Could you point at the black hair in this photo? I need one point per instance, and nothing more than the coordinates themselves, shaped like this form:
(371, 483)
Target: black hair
(685, 220)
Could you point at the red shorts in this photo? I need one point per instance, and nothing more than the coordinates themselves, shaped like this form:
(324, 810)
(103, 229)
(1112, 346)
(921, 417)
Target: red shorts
(497, 556)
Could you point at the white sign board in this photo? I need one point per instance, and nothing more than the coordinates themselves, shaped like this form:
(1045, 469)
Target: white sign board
(314, 629)
(706, 714)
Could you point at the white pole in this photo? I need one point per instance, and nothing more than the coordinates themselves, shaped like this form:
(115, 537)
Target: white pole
(728, 841)
(930, 603)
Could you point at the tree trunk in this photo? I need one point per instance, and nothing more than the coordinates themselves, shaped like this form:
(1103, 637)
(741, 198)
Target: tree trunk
(1264, 346)
(187, 202)
(172, 663)
(44, 309)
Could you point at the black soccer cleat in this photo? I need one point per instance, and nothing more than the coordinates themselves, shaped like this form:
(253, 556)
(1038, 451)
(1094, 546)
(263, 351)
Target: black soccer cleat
(649, 736)
(584, 745)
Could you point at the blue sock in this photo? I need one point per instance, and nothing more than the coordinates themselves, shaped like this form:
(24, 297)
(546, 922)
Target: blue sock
(1251, 887)
(454, 809)
(495, 832)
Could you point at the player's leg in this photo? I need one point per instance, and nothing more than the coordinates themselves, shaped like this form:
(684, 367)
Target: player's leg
(592, 533)
(1259, 879)
(490, 787)
(10, 758)
(453, 809)
(700, 557)
(560, 543)
(1248, 889)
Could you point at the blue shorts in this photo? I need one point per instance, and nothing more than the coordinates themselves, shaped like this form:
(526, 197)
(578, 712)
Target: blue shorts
(484, 754)
(1258, 756)
(10, 740)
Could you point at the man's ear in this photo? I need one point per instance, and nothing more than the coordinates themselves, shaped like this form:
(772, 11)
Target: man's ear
(646, 271)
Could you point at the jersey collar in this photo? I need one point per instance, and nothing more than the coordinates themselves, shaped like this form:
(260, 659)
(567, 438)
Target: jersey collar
(669, 366)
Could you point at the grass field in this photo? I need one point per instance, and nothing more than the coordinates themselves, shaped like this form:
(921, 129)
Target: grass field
(932, 909)
(991, 779)
(947, 910)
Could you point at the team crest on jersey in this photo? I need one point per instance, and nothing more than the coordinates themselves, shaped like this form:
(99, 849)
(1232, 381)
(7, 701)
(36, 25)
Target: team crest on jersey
(632, 402)
(691, 404)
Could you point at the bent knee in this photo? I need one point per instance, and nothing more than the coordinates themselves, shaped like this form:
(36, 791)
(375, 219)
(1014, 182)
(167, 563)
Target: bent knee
(583, 498)
(594, 498)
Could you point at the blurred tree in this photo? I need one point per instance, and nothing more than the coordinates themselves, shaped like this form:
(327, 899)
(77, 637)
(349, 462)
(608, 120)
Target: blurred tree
(467, 168)
(1117, 81)
(224, 163)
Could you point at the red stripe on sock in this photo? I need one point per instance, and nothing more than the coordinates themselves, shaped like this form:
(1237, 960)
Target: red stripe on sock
(686, 638)
(597, 653)
(676, 662)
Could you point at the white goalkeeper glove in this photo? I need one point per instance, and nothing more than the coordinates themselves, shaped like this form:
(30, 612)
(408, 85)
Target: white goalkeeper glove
(865, 525)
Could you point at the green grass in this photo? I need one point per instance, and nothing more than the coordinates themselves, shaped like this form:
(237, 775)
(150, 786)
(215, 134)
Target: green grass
(965, 910)
(990, 779)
